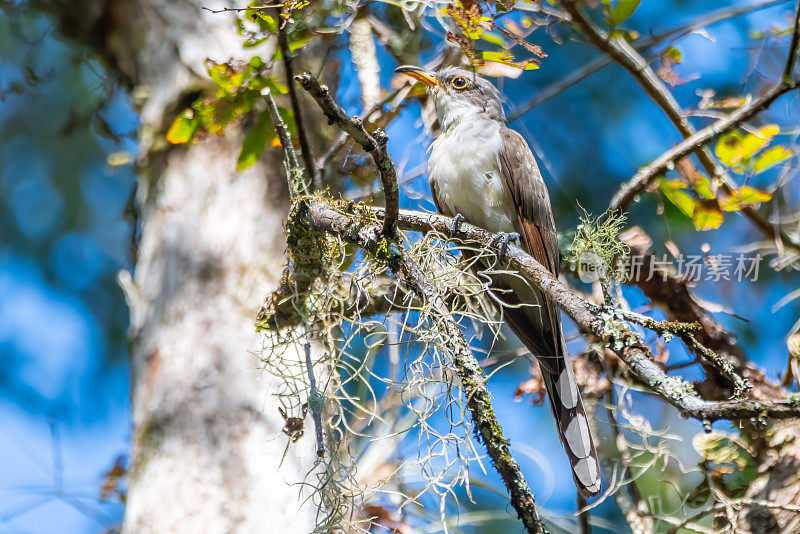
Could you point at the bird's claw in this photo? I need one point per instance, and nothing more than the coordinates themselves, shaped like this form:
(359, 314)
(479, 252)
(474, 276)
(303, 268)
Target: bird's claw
(501, 240)
(455, 227)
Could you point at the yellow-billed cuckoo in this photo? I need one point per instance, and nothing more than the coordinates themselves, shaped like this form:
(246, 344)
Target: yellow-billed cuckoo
(483, 172)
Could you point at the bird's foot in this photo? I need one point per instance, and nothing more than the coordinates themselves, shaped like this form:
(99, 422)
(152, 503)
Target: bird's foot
(501, 240)
(456, 226)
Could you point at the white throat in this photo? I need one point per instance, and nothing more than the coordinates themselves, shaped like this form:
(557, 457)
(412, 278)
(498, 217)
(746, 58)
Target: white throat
(451, 111)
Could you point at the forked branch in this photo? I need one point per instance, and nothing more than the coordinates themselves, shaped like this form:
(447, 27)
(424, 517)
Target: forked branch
(374, 144)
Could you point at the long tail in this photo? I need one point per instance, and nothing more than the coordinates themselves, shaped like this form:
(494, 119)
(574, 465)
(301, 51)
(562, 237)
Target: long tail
(562, 390)
(573, 428)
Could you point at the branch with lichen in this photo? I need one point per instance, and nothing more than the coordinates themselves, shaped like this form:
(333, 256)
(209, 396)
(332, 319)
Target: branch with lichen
(374, 144)
(381, 243)
(354, 222)
(370, 238)
(687, 332)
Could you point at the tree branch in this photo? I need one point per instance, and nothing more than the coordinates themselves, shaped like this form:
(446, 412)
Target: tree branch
(792, 58)
(469, 371)
(628, 191)
(672, 295)
(374, 144)
(350, 224)
(294, 170)
(240, 9)
(340, 141)
(623, 53)
(286, 54)
(602, 61)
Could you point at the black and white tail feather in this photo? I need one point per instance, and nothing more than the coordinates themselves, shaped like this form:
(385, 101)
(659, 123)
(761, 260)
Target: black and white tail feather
(565, 399)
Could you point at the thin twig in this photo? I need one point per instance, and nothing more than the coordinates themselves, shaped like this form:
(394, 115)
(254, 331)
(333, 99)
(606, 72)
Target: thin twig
(629, 190)
(687, 333)
(294, 169)
(240, 9)
(374, 144)
(305, 148)
(341, 141)
(315, 402)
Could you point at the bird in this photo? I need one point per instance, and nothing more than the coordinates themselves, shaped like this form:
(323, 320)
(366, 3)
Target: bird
(482, 172)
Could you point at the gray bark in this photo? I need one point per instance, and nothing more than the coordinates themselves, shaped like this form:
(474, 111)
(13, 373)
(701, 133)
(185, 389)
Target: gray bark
(207, 436)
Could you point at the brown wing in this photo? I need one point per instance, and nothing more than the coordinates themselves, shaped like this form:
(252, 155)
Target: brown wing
(541, 331)
(535, 222)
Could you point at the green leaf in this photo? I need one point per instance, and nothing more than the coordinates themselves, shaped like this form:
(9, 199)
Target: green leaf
(299, 41)
(183, 128)
(707, 215)
(493, 38)
(683, 201)
(229, 108)
(735, 149)
(622, 12)
(507, 59)
(742, 197)
(674, 53)
(771, 157)
(703, 187)
(255, 142)
(224, 76)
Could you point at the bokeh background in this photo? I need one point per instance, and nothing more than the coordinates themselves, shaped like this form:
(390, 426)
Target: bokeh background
(67, 144)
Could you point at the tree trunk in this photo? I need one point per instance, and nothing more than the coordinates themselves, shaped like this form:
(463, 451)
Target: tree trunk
(207, 437)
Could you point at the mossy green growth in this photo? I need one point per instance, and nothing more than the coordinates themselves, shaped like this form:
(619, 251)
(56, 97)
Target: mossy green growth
(311, 253)
(596, 246)
(616, 331)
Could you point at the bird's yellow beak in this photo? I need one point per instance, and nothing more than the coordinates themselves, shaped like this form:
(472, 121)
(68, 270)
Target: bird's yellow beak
(423, 76)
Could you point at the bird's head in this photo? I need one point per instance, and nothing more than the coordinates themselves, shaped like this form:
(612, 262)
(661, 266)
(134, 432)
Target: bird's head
(458, 94)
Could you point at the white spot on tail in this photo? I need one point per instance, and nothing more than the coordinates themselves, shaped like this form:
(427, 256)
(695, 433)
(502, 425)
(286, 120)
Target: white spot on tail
(567, 389)
(578, 437)
(588, 474)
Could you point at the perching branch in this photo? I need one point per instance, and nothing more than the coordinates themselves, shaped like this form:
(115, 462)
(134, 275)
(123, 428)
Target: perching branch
(375, 144)
(350, 224)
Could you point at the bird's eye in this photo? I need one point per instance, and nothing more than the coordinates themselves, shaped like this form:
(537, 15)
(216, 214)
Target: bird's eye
(459, 83)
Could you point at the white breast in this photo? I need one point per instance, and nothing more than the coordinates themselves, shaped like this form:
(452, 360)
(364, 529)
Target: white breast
(464, 169)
